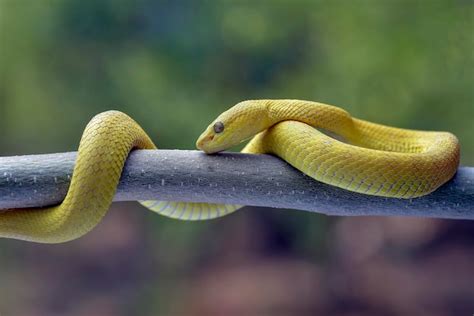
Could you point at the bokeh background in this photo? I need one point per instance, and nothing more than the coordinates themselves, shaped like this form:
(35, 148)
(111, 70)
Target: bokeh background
(173, 66)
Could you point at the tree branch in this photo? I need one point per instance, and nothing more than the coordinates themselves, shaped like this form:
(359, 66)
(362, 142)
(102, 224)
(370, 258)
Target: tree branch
(260, 180)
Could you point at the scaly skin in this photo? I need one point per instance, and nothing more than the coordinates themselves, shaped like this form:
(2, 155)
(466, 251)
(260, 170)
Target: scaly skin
(373, 159)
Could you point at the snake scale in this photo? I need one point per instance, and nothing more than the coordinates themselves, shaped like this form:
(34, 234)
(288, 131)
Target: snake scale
(368, 158)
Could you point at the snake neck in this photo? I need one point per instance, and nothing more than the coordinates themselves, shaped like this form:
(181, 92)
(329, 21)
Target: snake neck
(319, 115)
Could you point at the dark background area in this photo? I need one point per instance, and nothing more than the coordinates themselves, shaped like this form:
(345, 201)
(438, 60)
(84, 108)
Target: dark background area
(174, 66)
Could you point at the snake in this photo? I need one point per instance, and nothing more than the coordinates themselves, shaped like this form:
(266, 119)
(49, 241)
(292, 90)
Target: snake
(323, 141)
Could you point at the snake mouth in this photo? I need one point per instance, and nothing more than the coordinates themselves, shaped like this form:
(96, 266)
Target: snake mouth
(203, 143)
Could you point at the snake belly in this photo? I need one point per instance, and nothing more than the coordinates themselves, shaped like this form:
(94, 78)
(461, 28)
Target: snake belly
(373, 159)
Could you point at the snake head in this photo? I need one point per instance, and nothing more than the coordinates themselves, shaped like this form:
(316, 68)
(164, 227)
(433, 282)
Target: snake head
(237, 124)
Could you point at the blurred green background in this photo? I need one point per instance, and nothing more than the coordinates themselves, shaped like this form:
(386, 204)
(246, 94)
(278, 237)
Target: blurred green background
(173, 66)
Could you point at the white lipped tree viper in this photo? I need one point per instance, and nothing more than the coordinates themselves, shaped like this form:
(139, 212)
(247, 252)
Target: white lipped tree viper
(372, 159)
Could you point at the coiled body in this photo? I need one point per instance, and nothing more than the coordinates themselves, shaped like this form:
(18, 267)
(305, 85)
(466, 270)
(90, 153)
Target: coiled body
(371, 159)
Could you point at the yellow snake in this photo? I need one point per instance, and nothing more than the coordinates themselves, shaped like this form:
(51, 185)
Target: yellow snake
(371, 159)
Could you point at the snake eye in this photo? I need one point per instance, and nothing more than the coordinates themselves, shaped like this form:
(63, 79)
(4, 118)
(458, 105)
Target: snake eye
(219, 127)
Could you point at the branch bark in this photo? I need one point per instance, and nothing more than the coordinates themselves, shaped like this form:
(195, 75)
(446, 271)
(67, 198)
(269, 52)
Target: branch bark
(259, 180)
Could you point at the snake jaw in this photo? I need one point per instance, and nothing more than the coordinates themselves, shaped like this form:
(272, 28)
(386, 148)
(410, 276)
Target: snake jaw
(203, 142)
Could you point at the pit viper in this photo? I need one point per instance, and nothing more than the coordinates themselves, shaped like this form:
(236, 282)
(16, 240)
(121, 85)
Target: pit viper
(366, 157)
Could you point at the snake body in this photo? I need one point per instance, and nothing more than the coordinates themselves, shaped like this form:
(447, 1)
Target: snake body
(370, 159)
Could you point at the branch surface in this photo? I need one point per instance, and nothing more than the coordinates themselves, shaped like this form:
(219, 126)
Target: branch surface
(259, 180)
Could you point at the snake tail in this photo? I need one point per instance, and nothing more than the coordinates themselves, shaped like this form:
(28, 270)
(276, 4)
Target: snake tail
(105, 144)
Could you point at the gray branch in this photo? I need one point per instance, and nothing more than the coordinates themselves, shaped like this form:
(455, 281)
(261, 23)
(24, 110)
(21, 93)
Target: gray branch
(259, 180)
